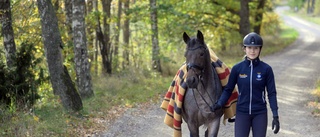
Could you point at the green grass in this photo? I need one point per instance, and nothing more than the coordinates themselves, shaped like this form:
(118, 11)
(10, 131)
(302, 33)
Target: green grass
(111, 94)
(272, 44)
(308, 17)
(277, 43)
(315, 104)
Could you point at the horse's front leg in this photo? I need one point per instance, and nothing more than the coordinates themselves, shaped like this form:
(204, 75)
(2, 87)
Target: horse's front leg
(213, 127)
(194, 129)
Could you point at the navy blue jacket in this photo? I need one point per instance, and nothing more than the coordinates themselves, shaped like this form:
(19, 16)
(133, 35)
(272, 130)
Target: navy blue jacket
(253, 79)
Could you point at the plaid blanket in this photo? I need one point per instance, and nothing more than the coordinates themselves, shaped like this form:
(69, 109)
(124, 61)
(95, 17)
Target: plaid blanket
(172, 102)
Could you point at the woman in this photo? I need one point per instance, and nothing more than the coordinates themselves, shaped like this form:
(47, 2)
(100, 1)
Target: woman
(252, 77)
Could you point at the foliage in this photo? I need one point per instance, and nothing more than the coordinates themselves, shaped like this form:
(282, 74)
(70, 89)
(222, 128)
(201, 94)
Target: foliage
(317, 8)
(296, 4)
(113, 95)
(126, 87)
(316, 92)
(272, 43)
(18, 86)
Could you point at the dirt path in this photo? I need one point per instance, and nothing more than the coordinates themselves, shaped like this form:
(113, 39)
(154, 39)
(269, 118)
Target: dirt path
(296, 70)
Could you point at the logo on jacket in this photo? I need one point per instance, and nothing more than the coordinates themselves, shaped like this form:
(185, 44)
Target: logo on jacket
(259, 77)
(243, 75)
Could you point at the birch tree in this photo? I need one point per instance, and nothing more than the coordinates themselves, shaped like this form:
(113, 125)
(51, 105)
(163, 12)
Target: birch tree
(60, 79)
(82, 64)
(154, 36)
(7, 30)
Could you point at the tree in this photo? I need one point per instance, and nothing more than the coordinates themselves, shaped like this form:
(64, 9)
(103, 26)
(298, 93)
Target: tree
(259, 16)
(60, 79)
(126, 35)
(106, 50)
(82, 64)
(96, 43)
(117, 37)
(154, 36)
(7, 30)
(104, 37)
(89, 28)
(244, 13)
(68, 13)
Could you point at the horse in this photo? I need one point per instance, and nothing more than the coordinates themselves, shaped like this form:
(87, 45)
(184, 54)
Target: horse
(203, 88)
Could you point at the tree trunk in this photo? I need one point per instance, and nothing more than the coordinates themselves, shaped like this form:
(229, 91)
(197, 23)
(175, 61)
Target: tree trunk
(68, 12)
(259, 16)
(126, 35)
(7, 31)
(82, 64)
(244, 17)
(90, 36)
(106, 50)
(56, 5)
(96, 44)
(154, 36)
(117, 37)
(60, 79)
(308, 6)
(312, 6)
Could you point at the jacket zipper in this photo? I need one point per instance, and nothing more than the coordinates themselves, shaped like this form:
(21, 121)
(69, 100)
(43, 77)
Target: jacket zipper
(250, 104)
(263, 98)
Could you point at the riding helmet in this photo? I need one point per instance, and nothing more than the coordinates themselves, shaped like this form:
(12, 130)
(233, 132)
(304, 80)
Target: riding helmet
(252, 40)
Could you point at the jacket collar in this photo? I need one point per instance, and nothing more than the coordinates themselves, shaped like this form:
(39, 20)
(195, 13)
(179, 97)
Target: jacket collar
(255, 61)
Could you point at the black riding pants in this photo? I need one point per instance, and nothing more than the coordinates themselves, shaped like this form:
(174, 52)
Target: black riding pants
(245, 122)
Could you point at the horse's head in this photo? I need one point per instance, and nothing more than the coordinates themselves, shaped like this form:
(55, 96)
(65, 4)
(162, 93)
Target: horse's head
(197, 57)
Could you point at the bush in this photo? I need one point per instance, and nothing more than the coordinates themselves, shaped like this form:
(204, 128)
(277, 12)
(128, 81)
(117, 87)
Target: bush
(18, 86)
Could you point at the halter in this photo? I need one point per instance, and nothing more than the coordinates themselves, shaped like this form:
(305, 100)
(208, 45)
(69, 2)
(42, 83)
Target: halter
(191, 66)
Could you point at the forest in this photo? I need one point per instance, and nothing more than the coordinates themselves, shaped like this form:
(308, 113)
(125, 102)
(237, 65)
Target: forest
(70, 55)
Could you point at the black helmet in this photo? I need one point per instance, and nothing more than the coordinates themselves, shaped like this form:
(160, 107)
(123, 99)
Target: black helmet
(252, 40)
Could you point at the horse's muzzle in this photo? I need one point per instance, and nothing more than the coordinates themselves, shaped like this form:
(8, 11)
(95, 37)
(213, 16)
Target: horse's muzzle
(192, 82)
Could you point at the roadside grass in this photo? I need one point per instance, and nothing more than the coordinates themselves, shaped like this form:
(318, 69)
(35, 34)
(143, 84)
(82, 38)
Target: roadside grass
(315, 105)
(113, 95)
(271, 44)
(309, 17)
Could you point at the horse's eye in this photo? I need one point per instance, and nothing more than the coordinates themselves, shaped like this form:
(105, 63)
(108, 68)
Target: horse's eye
(201, 54)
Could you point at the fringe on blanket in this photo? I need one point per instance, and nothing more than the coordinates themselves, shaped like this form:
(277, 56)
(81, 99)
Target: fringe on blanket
(172, 102)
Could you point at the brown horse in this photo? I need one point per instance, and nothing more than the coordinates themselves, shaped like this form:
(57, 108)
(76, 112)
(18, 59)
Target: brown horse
(204, 88)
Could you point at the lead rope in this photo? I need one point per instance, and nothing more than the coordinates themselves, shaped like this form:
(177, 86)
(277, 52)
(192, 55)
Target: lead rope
(202, 96)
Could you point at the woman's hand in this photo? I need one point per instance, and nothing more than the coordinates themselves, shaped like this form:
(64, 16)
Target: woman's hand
(275, 124)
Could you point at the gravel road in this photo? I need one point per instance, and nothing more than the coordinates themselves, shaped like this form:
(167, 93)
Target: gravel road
(296, 71)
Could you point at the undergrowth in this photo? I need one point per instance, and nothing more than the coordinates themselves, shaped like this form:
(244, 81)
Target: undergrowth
(315, 105)
(113, 94)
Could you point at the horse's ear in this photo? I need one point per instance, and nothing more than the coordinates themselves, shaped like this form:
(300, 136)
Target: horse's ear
(200, 36)
(186, 38)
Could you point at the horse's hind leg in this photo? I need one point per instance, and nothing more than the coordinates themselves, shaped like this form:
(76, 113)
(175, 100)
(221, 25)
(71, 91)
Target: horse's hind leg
(213, 128)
